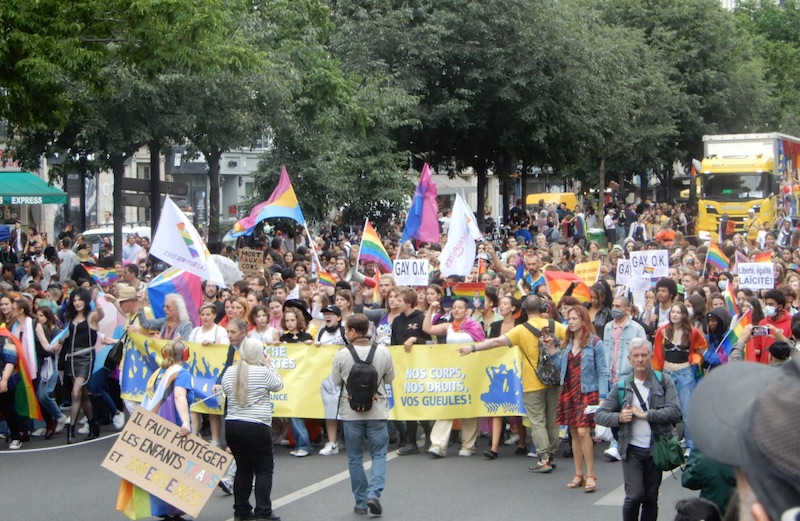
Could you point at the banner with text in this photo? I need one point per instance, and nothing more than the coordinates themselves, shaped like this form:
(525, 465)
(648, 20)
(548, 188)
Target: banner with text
(251, 261)
(182, 470)
(431, 382)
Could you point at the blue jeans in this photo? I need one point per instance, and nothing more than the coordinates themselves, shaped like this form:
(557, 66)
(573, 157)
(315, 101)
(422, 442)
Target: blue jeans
(377, 434)
(685, 383)
(44, 393)
(300, 433)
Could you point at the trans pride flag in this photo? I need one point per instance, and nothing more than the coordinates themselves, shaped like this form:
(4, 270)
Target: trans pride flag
(176, 280)
(372, 249)
(282, 203)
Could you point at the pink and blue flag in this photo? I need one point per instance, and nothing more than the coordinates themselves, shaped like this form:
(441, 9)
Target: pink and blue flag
(423, 216)
(176, 280)
(282, 203)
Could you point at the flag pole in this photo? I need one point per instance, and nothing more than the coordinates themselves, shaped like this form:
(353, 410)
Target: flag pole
(313, 247)
(361, 246)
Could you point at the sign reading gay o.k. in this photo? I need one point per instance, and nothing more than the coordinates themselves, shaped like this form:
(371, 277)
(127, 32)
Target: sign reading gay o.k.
(650, 263)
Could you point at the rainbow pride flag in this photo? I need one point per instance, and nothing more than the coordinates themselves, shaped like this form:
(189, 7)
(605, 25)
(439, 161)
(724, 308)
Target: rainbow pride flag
(716, 258)
(326, 279)
(730, 300)
(176, 280)
(102, 276)
(558, 282)
(372, 249)
(474, 292)
(282, 203)
(137, 503)
(764, 256)
(25, 400)
(733, 336)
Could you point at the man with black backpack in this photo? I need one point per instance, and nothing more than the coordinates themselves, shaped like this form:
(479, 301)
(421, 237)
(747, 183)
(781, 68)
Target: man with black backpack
(363, 368)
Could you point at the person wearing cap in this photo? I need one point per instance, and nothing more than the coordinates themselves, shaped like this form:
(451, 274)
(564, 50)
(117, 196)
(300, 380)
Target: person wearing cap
(746, 416)
(643, 408)
(753, 225)
(333, 333)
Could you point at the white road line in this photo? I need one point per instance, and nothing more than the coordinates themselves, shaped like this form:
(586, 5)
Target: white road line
(57, 447)
(320, 485)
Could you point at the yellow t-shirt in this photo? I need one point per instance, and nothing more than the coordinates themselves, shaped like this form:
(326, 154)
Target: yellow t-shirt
(529, 344)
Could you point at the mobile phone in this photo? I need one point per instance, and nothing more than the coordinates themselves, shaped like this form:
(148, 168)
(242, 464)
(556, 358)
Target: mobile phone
(760, 331)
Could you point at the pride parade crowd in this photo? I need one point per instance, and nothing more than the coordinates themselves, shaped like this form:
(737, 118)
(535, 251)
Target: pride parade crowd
(685, 326)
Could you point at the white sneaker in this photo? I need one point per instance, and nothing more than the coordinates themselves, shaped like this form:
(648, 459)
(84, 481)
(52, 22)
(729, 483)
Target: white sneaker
(61, 423)
(39, 432)
(16, 444)
(533, 455)
(465, 452)
(329, 449)
(512, 440)
(687, 453)
(612, 453)
(301, 453)
(118, 420)
(84, 429)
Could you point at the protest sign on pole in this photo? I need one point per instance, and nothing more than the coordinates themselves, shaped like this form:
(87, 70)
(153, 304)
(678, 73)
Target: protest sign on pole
(250, 261)
(756, 275)
(411, 272)
(181, 470)
(588, 271)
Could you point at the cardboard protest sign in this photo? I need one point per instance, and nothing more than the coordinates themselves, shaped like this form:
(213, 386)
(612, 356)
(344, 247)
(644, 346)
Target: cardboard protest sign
(588, 271)
(251, 261)
(181, 470)
(623, 276)
(756, 275)
(411, 272)
(650, 263)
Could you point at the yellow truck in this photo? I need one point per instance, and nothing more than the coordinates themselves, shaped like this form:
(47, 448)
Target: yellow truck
(740, 172)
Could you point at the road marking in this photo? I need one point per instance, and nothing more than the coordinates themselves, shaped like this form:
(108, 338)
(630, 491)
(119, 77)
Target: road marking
(320, 485)
(616, 498)
(57, 447)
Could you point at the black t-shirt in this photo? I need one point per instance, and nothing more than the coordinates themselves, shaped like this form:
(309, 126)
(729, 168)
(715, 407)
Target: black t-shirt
(404, 327)
(296, 338)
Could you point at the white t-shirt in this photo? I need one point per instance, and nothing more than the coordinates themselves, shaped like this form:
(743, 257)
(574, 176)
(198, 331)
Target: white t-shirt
(267, 337)
(663, 316)
(640, 429)
(215, 335)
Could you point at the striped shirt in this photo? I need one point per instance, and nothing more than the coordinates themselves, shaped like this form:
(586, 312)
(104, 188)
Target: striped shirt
(260, 381)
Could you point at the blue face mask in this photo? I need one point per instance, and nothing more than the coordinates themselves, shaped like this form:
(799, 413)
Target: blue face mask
(617, 313)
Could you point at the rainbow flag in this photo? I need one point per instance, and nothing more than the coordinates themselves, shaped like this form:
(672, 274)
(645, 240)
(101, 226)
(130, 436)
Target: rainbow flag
(730, 300)
(733, 336)
(558, 282)
(481, 267)
(282, 203)
(25, 401)
(716, 258)
(372, 249)
(474, 292)
(649, 270)
(102, 276)
(137, 503)
(326, 279)
(765, 256)
(176, 280)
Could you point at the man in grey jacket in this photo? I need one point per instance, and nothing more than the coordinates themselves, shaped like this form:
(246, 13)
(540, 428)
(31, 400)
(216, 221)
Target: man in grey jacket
(644, 407)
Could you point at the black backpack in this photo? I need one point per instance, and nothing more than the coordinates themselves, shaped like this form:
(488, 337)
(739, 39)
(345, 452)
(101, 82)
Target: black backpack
(362, 382)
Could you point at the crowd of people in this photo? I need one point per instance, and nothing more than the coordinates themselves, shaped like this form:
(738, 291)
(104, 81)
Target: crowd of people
(630, 367)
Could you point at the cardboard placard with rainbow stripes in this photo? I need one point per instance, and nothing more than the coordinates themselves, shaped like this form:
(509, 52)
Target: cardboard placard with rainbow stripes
(650, 263)
(474, 292)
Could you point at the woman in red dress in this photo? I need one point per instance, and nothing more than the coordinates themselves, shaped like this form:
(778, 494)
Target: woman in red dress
(583, 375)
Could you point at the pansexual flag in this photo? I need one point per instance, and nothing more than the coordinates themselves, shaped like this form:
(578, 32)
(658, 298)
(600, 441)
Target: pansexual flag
(558, 282)
(104, 277)
(372, 249)
(733, 336)
(716, 258)
(282, 203)
(176, 280)
(765, 256)
(25, 401)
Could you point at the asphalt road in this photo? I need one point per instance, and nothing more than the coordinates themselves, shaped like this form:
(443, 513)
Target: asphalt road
(58, 481)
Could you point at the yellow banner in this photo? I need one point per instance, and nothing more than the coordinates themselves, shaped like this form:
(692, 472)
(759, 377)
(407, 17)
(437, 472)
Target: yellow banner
(588, 271)
(432, 382)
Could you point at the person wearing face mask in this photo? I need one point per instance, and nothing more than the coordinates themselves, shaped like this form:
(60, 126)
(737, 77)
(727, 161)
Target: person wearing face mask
(774, 315)
(719, 320)
(696, 306)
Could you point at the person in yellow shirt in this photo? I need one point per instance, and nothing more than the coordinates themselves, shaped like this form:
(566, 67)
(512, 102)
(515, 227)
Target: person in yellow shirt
(752, 225)
(541, 401)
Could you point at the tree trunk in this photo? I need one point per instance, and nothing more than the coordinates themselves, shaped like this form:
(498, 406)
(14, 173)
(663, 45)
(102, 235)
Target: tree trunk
(155, 184)
(118, 169)
(213, 156)
(602, 176)
(481, 171)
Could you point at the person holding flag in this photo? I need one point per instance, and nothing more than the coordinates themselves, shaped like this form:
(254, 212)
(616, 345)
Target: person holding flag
(9, 380)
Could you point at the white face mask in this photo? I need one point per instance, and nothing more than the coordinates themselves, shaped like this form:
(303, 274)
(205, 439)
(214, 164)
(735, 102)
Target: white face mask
(770, 311)
(723, 284)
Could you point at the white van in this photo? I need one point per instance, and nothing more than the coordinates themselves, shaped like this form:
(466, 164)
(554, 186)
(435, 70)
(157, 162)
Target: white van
(95, 236)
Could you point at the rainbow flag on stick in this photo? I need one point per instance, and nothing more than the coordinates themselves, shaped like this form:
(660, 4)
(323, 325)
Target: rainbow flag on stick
(25, 400)
(716, 258)
(733, 336)
(730, 300)
(372, 249)
(326, 279)
(558, 282)
(102, 276)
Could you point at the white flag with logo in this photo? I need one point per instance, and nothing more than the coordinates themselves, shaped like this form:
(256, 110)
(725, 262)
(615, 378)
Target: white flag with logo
(177, 242)
(458, 255)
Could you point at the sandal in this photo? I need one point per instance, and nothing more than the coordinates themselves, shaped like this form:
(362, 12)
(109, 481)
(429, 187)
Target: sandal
(543, 467)
(590, 486)
(576, 482)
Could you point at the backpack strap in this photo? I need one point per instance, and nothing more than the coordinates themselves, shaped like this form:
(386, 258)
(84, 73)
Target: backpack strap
(353, 353)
